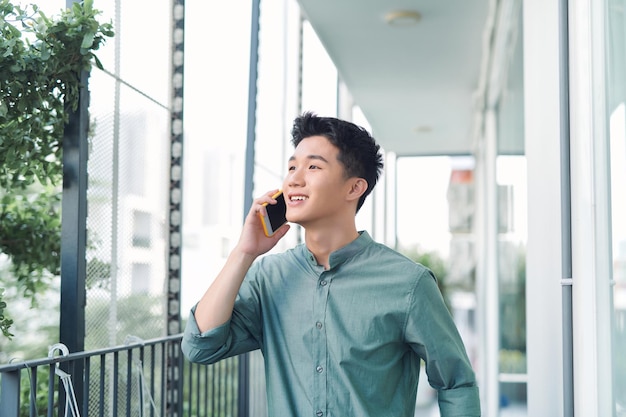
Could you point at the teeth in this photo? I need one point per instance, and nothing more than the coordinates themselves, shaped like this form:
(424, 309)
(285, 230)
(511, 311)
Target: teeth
(298, 198)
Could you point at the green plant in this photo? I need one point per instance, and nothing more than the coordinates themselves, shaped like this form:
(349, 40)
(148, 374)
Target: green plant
(512, 361)
(5, 322)
(41, 62)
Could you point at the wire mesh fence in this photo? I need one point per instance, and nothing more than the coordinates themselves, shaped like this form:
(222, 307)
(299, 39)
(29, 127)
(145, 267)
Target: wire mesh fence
(128, 171)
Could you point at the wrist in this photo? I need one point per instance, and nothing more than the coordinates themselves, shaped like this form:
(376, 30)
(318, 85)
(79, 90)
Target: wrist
(241, 254)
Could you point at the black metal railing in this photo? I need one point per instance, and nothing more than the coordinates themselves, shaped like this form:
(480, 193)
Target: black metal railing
(130, 380)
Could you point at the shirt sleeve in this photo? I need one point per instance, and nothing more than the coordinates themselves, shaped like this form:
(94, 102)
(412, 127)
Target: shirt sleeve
(240, 334)
(432, 334)
(209, 346)
(459, 402)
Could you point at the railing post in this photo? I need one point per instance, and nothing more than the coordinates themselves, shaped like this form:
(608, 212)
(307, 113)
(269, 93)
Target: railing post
(10, 395)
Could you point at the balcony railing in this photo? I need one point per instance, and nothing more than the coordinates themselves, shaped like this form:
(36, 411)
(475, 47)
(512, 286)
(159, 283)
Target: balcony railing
(142, 378)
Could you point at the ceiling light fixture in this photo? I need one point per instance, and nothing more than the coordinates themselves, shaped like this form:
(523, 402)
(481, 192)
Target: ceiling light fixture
(402, 18)
(422, 129)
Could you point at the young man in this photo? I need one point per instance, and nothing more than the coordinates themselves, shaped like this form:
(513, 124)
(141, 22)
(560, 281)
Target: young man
(341, 320)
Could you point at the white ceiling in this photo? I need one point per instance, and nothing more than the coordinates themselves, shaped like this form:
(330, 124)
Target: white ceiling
(415, 84)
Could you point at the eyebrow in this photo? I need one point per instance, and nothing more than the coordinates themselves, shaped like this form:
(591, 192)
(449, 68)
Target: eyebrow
(314, 156)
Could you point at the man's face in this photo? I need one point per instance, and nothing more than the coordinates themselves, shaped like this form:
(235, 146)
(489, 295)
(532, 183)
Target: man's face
(315, 185)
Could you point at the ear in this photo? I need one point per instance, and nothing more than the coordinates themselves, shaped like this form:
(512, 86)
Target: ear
(358, 186)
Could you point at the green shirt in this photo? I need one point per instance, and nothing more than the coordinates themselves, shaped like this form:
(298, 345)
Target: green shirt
(346, 341)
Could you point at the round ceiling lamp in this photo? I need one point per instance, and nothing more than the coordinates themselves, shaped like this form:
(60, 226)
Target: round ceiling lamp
(402, 18)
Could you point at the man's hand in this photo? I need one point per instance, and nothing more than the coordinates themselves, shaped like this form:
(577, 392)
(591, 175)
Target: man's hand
(253, 240)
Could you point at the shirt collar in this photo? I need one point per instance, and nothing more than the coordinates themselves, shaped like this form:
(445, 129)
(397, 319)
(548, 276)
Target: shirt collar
(341, 255)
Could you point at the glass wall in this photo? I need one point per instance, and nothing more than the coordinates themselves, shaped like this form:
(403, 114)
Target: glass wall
(616, 114)
(511, 189)
(511, 203)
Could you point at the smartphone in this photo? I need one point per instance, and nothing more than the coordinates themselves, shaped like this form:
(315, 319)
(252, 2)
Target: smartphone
(276, 214)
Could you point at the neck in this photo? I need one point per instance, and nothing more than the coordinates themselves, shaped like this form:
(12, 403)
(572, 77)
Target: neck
(323, 242)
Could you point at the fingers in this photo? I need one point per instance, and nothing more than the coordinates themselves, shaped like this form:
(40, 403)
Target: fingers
(268, 197)
(258, 205)
(281, 232)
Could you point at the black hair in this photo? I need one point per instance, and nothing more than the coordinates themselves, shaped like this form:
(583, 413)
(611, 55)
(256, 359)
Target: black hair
(358, 151)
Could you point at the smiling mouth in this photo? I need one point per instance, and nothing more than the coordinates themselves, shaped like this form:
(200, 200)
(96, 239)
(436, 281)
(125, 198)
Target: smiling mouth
(298, 198)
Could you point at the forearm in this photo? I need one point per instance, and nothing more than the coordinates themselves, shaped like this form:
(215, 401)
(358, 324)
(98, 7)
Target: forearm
(216, 305)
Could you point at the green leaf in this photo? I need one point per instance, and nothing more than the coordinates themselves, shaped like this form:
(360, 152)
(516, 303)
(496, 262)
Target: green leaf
(87, 40)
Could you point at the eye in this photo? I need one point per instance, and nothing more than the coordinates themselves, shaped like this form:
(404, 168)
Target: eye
(313, 167)
(291, 168)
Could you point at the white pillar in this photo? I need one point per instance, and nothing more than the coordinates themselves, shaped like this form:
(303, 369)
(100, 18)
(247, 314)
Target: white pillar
(591, 254)
(543, 256)
(487, 287)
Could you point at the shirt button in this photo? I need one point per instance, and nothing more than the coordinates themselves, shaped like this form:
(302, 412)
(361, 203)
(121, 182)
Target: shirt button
(323, 283)
(319, 369)
(318, 324)
(319, 413)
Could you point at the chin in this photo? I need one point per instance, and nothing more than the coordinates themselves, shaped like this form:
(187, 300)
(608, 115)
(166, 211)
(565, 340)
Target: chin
(294, 220)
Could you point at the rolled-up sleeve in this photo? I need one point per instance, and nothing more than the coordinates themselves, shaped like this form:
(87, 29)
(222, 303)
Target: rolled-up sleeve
(240, 334)
(204, 347)
(459, 402)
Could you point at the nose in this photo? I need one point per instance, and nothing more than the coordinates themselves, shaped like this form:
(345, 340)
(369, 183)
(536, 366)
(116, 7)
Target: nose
(294, 178)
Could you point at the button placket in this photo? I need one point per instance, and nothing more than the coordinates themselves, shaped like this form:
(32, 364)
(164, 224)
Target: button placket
(320, 344)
